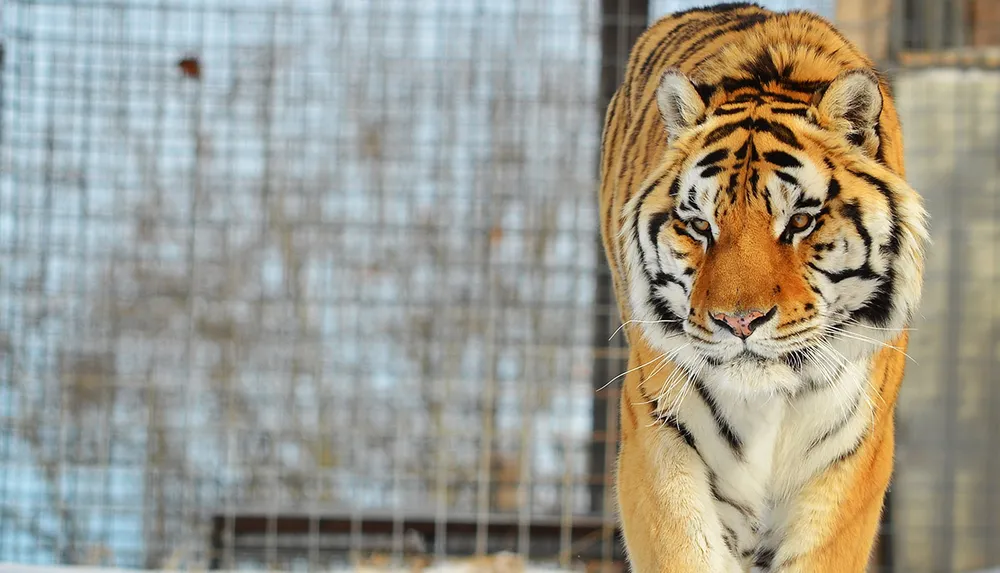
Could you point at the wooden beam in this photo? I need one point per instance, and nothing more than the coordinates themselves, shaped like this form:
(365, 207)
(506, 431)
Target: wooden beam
(867, 23)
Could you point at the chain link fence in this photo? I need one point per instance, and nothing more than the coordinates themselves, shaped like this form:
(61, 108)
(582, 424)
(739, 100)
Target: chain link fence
(318, 284)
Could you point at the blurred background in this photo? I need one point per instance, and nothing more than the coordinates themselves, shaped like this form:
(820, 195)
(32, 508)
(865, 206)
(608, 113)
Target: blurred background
(298, 284)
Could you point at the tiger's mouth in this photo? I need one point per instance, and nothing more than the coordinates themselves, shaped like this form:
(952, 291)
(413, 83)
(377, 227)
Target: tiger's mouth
(794, 359)
(748, 356)
(744, 357)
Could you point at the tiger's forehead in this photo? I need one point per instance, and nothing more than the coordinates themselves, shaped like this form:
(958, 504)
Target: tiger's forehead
(752, 169)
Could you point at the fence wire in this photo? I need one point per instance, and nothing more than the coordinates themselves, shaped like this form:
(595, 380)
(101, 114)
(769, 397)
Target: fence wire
(319, 284)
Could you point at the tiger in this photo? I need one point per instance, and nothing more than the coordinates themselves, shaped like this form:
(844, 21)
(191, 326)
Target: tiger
(767, 257)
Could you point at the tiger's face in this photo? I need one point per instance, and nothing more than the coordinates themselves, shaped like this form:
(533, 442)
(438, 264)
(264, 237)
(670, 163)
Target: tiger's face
(771, 249)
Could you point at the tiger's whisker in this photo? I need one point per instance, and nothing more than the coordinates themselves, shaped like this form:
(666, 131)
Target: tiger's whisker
(627, 372)
(627, 322)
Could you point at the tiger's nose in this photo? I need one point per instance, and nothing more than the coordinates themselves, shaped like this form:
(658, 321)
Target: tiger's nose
(743, 323)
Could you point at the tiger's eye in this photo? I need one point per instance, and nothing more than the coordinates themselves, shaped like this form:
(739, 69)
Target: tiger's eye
(700, 225)
(800, 221)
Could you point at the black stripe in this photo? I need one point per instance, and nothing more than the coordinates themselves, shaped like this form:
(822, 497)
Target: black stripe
(753, 180)
(688, 202)
(781, 159)
(741, 153)
(795, 359)
(738, 25)
(675, 187)
(711, 171)
(764, 557)
(618, 132)
(705, 92)
(609, 122)
(832, 189)
(713, 157)
(772, 98)
(729, 537)
(656, 222)
(759, 97)
(672, 421)
(780, 132)
(716, 8)
(682, 32)
(752, 97)
(793, 322)
(895, 240)
(713, 483)
(786, 178)
(799, 111)
(748, 21)
(635, 227)
(852, 212)
(763, 69)
(849, 453)
(878, 309)
(880, 152)
(724, 130)
(856, 138)
(664, 312)
(661, 47)
(725, 430)
(640, 127)
(664, 278)
(729, 110)
(840, 425)
(735, 84)
(863, 272)
(734, 180)
(806, 202)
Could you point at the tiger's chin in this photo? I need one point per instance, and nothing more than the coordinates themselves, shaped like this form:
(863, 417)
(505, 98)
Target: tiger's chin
(752, 375)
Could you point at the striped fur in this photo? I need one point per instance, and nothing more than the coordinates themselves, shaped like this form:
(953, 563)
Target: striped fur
(752, 162)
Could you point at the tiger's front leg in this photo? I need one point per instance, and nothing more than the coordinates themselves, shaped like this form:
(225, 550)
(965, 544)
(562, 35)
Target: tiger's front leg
(835, 516)
(668, 519)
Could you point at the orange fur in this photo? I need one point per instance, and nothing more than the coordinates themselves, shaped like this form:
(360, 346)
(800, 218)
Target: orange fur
(836, 512)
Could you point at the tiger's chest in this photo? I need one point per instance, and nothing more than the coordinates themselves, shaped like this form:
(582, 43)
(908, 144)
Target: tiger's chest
(758, 452)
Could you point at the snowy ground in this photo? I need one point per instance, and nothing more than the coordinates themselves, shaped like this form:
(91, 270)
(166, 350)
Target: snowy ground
(464, 566)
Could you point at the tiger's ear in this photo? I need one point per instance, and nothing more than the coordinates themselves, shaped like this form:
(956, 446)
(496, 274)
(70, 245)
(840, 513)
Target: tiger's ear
(680, 104)
(851, 105)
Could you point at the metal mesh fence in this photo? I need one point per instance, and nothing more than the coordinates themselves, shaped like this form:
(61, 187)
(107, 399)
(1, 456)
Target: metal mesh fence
(309, 284)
